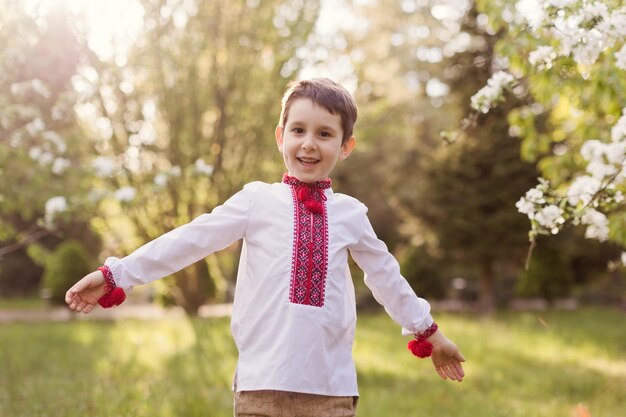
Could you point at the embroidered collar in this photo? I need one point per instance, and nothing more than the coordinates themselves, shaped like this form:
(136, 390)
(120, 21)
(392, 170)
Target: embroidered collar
(310, 194)
(320, 185)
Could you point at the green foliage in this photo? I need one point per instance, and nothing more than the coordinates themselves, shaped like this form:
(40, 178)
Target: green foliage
(19, 276)
(518, 365)
(69, 262)
(199, 116)
(40, 150)
(548, 275)
(459, 199)
(568, 103)
(570, 265)
(425, 273)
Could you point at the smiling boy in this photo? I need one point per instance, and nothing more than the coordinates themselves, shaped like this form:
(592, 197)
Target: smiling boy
(294, 312)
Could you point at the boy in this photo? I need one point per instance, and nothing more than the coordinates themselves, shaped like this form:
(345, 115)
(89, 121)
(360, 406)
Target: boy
(294, 312)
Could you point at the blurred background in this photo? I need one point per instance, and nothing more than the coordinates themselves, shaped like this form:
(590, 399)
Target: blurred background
(122, 119)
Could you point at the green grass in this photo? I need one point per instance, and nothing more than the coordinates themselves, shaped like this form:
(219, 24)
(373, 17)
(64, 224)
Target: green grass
(517, 365)
(33, 303)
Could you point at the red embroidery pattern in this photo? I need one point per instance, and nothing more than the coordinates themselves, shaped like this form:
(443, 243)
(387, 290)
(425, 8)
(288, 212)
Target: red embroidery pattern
(309, 262)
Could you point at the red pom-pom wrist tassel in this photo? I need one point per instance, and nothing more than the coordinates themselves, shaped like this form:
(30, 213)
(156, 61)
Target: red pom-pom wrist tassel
(421, 347)
(114, 295)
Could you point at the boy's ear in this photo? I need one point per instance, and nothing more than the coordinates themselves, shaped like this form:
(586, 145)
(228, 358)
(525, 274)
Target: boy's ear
(347, 148)
(279, 137)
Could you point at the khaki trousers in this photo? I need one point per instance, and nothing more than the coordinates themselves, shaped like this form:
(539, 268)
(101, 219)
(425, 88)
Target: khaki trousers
(268, 403)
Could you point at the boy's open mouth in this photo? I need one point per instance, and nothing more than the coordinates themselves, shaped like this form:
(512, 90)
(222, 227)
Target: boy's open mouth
(308, 161)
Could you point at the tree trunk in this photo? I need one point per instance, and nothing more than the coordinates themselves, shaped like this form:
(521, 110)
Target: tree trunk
(487, 280)
(195, 287)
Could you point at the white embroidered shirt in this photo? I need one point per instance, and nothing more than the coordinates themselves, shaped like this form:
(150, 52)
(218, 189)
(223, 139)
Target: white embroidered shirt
(294, 313)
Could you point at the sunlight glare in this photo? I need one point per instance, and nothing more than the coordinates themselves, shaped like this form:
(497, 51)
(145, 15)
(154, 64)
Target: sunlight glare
(111, 26)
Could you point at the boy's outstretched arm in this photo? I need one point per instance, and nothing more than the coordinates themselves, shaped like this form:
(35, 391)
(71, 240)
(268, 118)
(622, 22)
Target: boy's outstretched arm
(84, 295)
(446, 357)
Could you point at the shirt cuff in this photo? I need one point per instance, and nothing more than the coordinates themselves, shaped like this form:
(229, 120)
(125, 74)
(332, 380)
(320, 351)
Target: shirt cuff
(421, 327)
(116, 267)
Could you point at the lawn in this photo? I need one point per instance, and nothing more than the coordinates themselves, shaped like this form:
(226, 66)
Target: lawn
(519, 365)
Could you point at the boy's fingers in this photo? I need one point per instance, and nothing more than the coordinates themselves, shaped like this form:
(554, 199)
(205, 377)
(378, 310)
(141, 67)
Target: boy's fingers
(81, 306)
(458, 376)
(449, 373)
(459, 369)
(71, 298)
(70, 295)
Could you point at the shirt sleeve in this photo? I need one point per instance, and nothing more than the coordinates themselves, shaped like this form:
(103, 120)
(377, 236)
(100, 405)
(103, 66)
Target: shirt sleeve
(184, 245)
(390, 288)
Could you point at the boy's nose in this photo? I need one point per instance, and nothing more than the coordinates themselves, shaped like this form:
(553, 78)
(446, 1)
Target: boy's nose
(308, 143)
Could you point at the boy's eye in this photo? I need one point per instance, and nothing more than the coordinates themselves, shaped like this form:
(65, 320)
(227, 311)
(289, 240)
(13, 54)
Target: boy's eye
(325, 134)
(298, 130)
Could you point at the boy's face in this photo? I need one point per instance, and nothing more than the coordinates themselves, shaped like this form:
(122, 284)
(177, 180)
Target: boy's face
(310, 141)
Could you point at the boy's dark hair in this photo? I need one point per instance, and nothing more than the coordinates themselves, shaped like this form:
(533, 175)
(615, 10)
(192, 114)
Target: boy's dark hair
(326, 93)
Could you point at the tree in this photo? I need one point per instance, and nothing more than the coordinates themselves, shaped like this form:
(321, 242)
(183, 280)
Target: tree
(40, 149)
(414, 78)
(568, 58)
(189, 117)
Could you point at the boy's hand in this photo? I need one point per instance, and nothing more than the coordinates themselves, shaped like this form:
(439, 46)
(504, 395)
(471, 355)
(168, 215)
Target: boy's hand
(446, 357)
(84, 295)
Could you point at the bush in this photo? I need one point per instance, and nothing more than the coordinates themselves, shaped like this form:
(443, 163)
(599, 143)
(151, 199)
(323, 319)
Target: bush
(19, 275)
(69, 262)
(424, 272)
(549, 275)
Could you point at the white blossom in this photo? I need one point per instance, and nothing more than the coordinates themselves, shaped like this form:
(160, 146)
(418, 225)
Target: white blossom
(535, 196)
(55, 138)
(501, 79)
(586, 53)
(526, 207)
(594, 10)
(567, 31)
(600, 170)
(35, 85)
(615, 24)
(103, 166)
(160, 179)
(560, 3)
(175, 171)
(203, 168)
(615, 152)
(550, 216)
(53, 207)
(45, 158)
(35, 152)
(40, 88)
(620, 57)
(542, 57)
(485, 97)
(125, 194)
(35, 126)
(592, 150)
(60, 165)
(597, 225)
(95, 195)
(618, 131)
(531, 11)
(582, 190)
